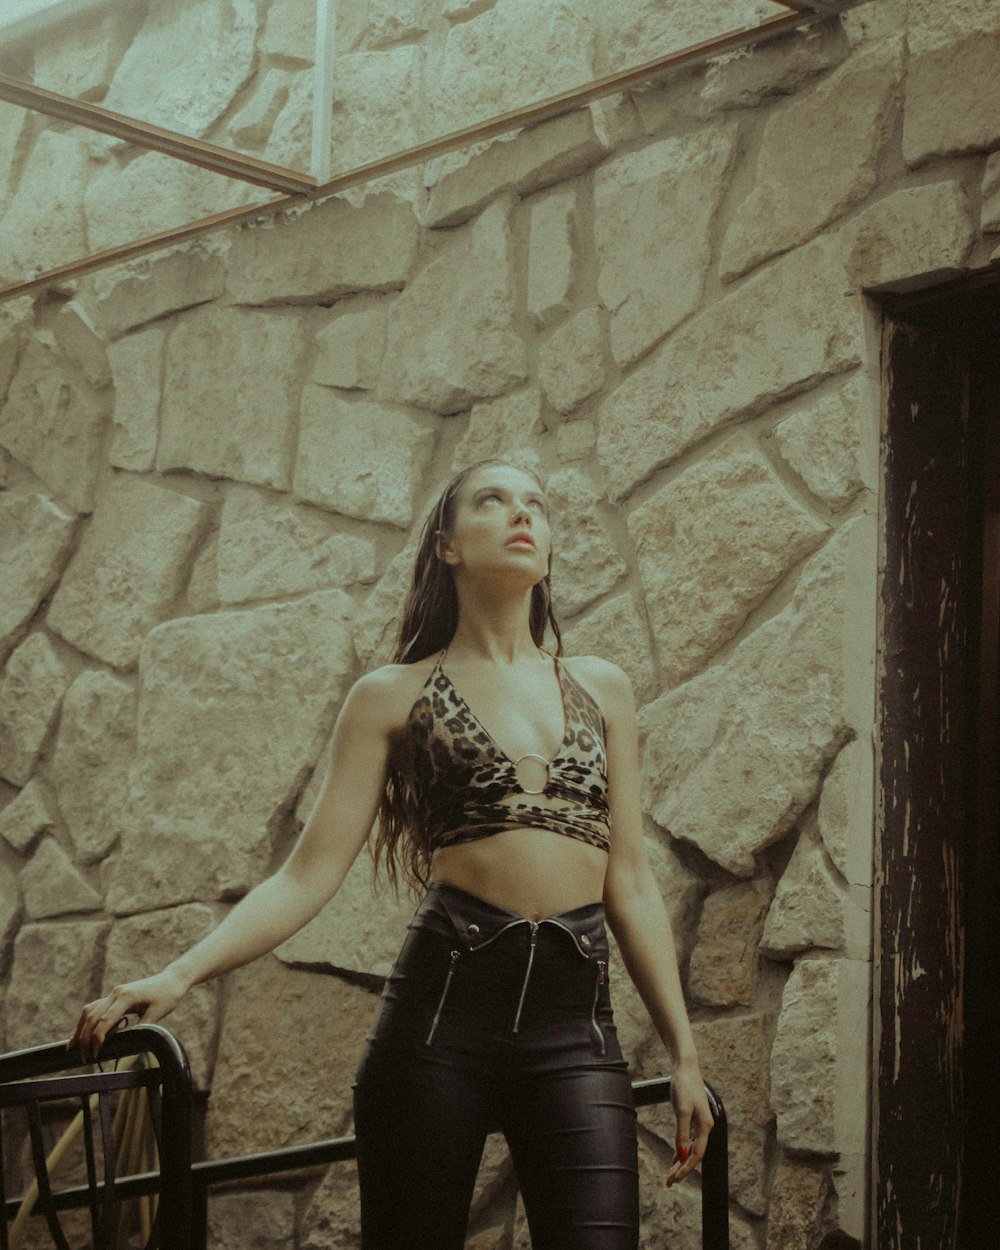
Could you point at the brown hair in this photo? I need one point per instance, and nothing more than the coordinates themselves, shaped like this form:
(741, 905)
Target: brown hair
(430, 618)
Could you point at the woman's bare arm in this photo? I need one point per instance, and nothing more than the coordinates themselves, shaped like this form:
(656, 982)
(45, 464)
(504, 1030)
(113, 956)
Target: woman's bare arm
(640, 923)
(335, 832)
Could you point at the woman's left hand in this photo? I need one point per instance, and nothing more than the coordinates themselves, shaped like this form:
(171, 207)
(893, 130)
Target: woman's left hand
(694, 1118)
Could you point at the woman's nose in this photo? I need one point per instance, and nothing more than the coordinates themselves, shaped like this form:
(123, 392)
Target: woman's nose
(521, 515)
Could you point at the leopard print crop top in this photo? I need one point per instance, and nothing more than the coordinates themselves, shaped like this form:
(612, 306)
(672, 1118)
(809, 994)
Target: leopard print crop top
(468, 788)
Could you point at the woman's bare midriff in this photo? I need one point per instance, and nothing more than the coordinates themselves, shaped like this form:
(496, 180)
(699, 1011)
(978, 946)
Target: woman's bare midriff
(532, 872)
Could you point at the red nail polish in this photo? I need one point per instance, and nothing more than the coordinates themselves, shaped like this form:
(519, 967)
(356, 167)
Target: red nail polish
(682, 1153)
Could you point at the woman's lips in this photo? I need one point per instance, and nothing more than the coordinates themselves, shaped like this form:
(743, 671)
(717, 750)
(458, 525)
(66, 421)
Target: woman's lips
(519, 539)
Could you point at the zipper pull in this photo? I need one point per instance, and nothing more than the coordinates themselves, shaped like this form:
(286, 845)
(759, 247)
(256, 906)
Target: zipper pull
(602, 972)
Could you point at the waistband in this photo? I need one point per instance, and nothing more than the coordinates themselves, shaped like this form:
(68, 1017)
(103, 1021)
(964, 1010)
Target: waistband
(475, 923)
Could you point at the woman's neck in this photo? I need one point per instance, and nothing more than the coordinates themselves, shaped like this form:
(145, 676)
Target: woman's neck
(493, 628)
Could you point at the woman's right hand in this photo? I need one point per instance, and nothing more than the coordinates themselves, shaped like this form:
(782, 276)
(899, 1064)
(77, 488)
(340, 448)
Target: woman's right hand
(149, 1000)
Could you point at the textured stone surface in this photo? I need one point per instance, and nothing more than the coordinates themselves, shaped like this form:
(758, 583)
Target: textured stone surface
(822, 441)
(335, 467)
(132, 294)
(989, 221)
(576, 440)
(745, 78)
(844, 816)
(503, 428)
(137, 370)
(253, 1220)
(652, 279)
(616, 631)
(305, 1031)
(552, 255)
(966, 72)
(80, 342)
(16, 318)
(818, 158)
(585, 562)
(571, 364)
(377, 621)
(773, 712)
(34, 683)
(251, 127)
(523, 163)
(290, 30)
(393, 21)
(733, 1055)
(12, 127)
(203, 585)
(269, 548)
(373, 106)
(10, 908)
(32, 241)
(804, 1057)
(230, 387)
(724, 963)
(90, 769)
(783, 328)
(711, 544)
(233, 708)
(55, 972)
(141, 945)
(186, 64)
(290, 139)
(332, 1220)
(52, 886)
(921, 230)
(327, 251)
(452, 342)
(26, 817)
(349, 350)
(127, 569)
(359, 931)
(36, 535)
(808, 910)
(796, 1204)
(513, 54)
(53, 426)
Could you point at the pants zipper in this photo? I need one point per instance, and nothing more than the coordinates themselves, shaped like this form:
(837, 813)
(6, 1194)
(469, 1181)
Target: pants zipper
(527, 972)
(602, 969)
(452, 962)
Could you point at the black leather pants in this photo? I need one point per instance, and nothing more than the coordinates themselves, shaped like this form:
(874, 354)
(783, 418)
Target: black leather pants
(489, 1020)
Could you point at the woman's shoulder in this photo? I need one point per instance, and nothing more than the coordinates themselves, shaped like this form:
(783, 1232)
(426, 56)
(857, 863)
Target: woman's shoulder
(387, 694)
(604, 681)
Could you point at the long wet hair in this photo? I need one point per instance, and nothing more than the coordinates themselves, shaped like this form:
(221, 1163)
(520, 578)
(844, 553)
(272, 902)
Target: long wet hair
(429, 621)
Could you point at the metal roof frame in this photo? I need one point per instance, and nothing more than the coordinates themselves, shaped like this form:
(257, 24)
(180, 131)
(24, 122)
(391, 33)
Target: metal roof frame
(296, 186)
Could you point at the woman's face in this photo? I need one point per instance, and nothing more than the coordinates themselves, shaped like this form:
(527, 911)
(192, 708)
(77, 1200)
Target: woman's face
(501, 524)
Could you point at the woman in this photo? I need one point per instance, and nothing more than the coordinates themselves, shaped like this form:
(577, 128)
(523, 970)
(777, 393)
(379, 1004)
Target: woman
(496, 1013)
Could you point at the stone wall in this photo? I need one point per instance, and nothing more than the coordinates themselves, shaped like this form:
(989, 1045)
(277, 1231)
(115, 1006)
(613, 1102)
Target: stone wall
(213, 464)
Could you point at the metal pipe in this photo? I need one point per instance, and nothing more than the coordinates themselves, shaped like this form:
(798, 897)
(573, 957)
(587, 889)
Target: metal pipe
(323, 71)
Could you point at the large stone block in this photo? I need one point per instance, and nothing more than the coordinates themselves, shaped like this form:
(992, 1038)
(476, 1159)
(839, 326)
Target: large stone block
(451, 341)
(186, 64)
(571, 364)
(54, 174)
(231, 385)
(797, 1199)
(552, 255)
(818, 158)
(36, 534)
(823, 440)
(375, 110)
(78, 58)
(303, 1029)
(141, 945)
(56, 970)
(149, 288)
(377, 623)
(53, 426)
(461, 184)
(711, 545)
(33, 686)
(290, 30)
(844, 817)
(16, 321)
(914, 232)
(360, 931)
(616, 631)
(52, 886)
(652, 277)
(733, 1055)
(585, 561)
(396, 21)
(10, 909)
(254, 1220)
(748, 76)
(505, 428)
(128, 569)
(90, 769)
(724, 963)
(136, 368)
(349, 350)
(736, 754)
(81, 343)
(27, 817)
(786, 327)
(512, 54)
(335, 466)
(251, 127)
(233, 708)
(957, 60)
(808, 908)
(12, 128)
(804, 1057)
(270, 548)
(326, 251)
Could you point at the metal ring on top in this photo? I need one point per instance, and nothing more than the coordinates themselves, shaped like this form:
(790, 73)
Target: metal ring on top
(517, 772)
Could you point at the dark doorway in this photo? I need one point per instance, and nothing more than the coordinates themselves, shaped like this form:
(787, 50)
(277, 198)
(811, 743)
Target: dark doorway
(935, 1139)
